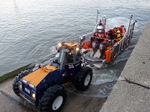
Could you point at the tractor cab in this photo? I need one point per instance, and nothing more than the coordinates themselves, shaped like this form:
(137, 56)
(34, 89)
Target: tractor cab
(68, 60)
(68, 53)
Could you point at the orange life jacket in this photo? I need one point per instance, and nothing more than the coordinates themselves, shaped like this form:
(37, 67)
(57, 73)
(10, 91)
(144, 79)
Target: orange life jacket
(101, 35)
(96, 34)
(122, 29)
(107, 35)
(115, 30)
(87, 45)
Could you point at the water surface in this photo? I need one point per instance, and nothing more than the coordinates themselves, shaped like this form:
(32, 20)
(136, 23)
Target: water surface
(29, 29)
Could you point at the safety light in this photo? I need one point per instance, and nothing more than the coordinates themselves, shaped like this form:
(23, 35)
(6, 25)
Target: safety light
(104, 16)
(82, 38)
(136, 20)
(33, 95)
(77, 49)
(20, 86)
(70, 53)
(59, 44)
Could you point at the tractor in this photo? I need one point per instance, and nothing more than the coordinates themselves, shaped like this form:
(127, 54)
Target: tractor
(45, 86)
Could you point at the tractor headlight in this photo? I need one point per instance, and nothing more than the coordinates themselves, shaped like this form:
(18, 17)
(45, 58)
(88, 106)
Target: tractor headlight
(77, 49)
(20, 86)
(33, 95)
(59, 44)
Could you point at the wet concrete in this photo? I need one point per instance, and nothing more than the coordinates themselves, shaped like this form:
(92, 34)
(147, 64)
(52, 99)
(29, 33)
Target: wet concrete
(132, 91)
(76, 101)
(8, 100)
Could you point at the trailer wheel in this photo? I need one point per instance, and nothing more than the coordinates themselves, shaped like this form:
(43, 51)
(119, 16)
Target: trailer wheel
(15, 84)
(53, 99)
(83, 79)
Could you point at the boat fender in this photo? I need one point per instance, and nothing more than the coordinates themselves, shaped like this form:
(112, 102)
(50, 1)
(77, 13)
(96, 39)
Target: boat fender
(108, 55)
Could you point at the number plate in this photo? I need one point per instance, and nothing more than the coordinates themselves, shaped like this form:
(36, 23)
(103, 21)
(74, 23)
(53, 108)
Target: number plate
(27, 90)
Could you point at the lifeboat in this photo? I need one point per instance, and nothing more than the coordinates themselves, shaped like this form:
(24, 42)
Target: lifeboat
(103, 46)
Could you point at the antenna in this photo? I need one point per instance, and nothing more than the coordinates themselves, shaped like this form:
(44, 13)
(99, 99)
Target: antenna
(97, 16)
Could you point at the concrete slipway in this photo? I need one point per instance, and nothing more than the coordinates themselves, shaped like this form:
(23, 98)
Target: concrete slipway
(131, 93)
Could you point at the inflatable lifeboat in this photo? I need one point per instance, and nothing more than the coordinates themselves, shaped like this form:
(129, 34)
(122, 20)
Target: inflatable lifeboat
(104, 46)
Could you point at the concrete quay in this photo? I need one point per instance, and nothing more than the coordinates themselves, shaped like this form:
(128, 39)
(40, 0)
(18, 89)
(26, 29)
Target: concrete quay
(131, 93)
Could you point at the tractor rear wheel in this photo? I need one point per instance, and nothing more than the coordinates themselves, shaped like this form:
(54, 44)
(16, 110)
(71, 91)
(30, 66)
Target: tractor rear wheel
(15, 84)
(83, 79)
(53, 99)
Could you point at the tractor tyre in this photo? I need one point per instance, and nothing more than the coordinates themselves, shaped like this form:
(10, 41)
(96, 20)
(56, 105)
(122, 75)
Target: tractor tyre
(15, 84)
(53, 99)
(83, 79)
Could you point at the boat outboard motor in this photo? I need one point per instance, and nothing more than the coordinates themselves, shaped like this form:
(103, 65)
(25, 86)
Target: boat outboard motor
(102, 48)
(95, 46)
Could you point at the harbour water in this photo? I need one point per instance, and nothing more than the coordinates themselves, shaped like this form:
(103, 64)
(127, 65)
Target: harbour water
(30, 29)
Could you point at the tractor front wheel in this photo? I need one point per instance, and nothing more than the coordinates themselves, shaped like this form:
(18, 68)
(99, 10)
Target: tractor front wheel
(53, 99)
(15, 84)
(83, 79)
